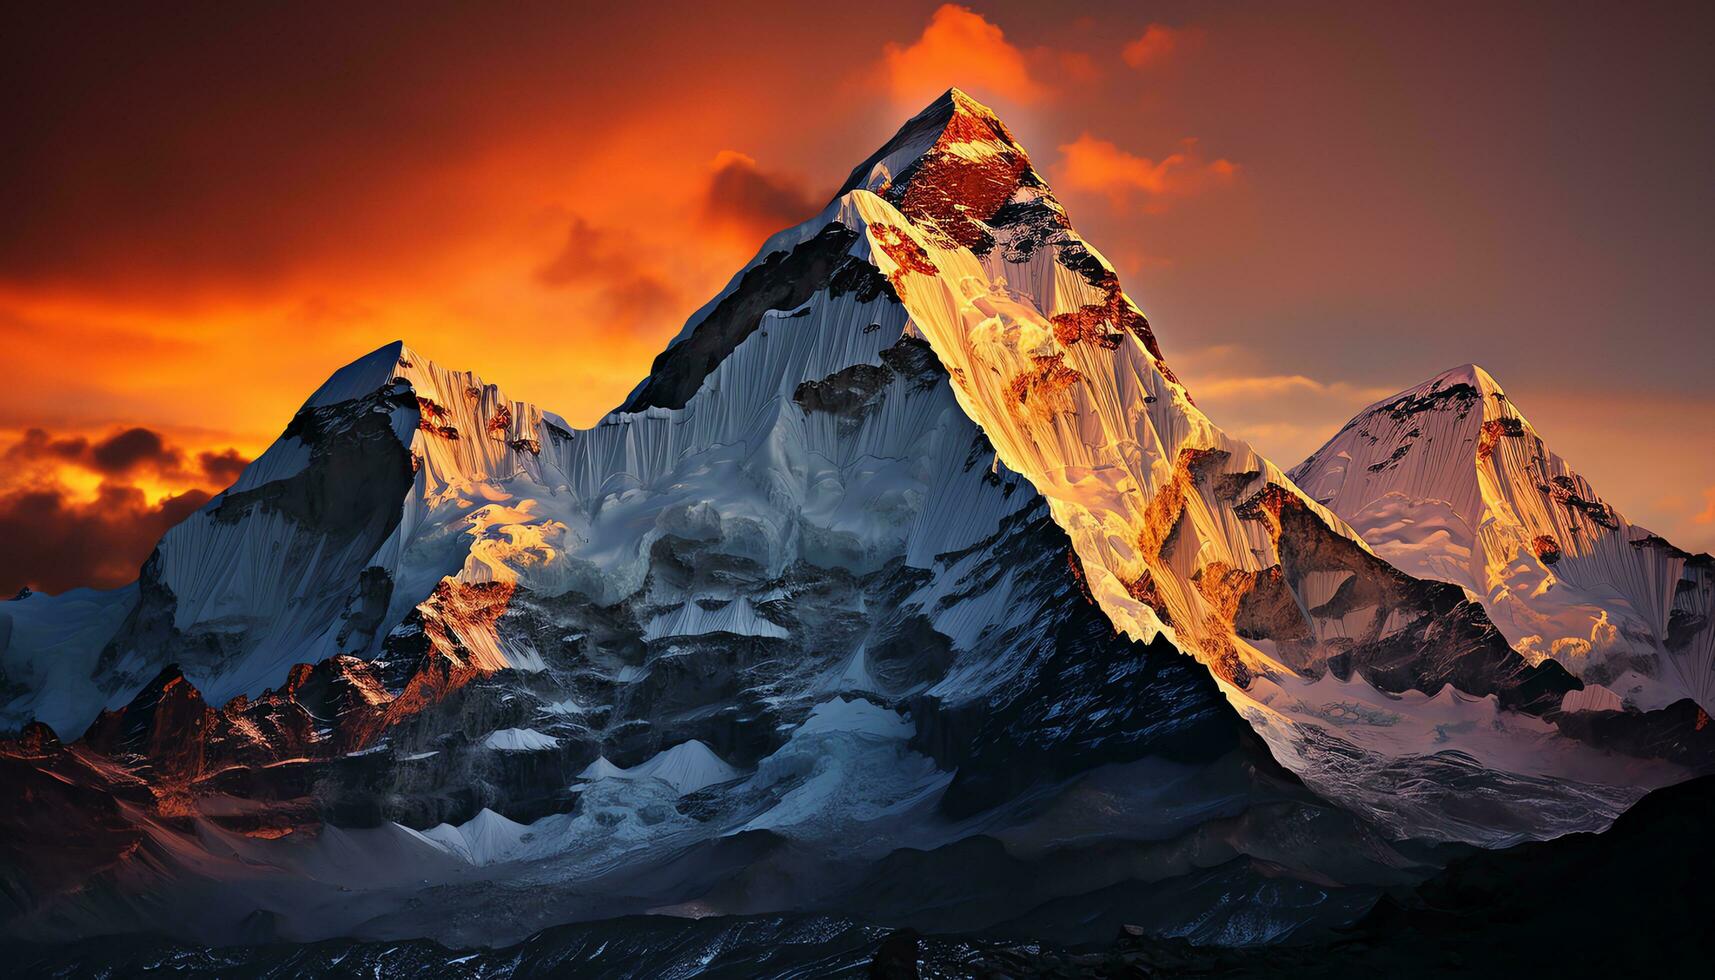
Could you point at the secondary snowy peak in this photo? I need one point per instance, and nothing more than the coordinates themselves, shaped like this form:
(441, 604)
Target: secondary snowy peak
(369, 504)
(1449, 480)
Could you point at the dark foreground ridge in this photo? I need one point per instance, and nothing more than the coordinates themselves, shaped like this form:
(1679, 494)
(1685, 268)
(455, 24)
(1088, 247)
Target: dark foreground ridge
(1629, 902)
(1634, 901)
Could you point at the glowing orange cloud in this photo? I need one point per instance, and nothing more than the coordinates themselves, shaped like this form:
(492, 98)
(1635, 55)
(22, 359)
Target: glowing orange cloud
(1097, 165)
(1159, 43)
(960, 47)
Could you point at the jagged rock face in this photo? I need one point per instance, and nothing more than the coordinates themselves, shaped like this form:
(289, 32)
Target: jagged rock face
(1444, 641)
(782, 281)
(1079, 694)
(1449, 481)
(904, 540)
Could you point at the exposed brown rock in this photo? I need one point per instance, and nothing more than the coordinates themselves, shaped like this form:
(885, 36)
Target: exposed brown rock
(905, 253)
(1494, 430)
(1078, 579)
(164, 728)
(1144, 590)
(1547, 549)
(1102, 323)
(955, 194)
(1043, 391)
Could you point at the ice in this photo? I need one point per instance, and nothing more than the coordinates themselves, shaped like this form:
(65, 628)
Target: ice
(519, 740)
(686, 767)
(737, 617)
(487, 838)
(848, 765)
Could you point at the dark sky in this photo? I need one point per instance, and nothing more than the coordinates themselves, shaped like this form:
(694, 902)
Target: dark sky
(210, 207)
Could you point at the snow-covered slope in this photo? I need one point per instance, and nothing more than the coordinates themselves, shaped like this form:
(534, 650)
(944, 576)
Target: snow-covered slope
(1448, 480)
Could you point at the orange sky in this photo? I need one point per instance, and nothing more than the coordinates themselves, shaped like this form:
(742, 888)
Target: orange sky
(211, 209)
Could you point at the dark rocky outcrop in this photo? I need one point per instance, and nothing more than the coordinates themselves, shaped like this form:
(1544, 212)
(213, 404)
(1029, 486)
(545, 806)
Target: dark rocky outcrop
(1085, 696)
(1446, 639)
(782, 281)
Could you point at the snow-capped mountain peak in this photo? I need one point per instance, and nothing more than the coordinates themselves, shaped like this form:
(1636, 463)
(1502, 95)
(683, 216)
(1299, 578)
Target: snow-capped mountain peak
(1449, 480)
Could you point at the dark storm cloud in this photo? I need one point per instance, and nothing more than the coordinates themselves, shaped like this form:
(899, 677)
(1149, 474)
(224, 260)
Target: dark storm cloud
(51, 544)
(36, 444)
(223, 467)
(127, 452)
(52, 539)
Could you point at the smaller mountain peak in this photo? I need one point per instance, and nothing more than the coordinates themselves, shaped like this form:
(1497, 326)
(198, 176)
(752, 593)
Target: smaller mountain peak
(366, 374)
(1471, 374)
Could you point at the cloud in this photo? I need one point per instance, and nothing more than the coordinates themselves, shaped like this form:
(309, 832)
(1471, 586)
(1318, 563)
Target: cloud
(1098, 166)
(1159, 43)
(37, 444)
(79, 510)
(1707, 515)
(128, 452)
(132, 448)
(743, 196)
(53, 543)
(960, 47)
(612, 266)
(223, 467)
(1285, 417)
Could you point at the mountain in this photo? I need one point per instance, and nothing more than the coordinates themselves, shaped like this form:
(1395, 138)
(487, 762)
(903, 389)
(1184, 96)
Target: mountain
(910, 585)
(1449, 481)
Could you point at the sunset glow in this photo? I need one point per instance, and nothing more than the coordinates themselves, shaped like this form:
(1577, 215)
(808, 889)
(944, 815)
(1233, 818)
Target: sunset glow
(196, 238)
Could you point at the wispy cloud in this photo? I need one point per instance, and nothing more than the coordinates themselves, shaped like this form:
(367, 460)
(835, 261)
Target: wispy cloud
(1159, 43)
(1095, 165)
(1280, 385)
